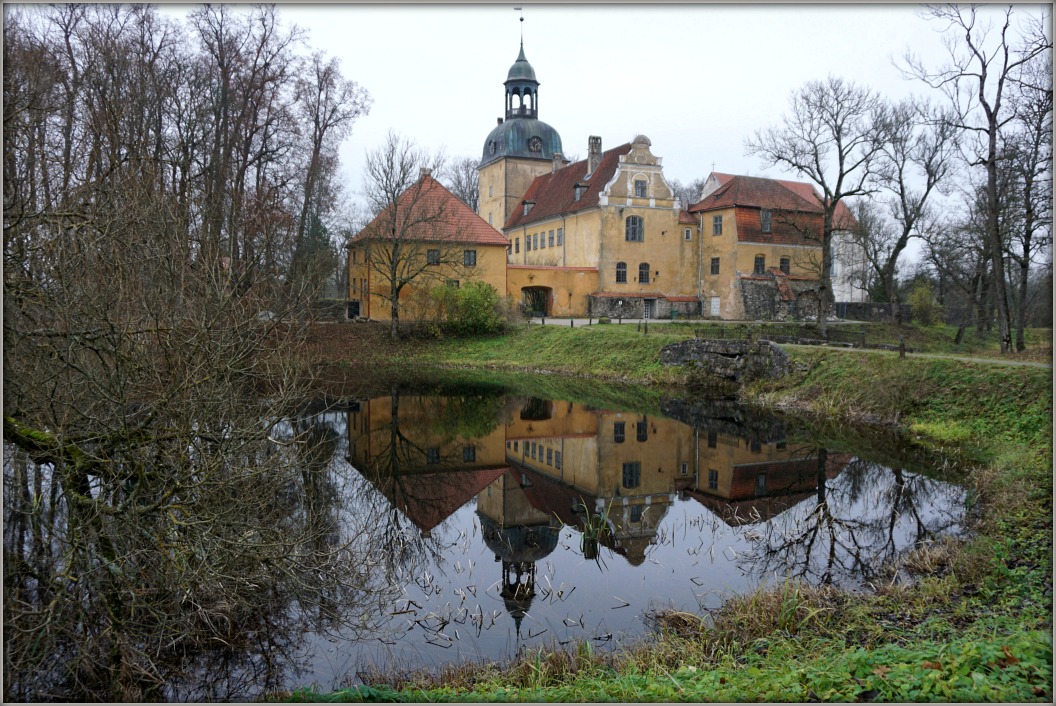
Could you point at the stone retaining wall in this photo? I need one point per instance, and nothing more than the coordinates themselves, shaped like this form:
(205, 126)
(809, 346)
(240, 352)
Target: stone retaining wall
(731, 360)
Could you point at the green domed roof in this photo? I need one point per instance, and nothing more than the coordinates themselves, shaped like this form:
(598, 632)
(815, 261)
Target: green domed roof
(527, 138)
(521, 69)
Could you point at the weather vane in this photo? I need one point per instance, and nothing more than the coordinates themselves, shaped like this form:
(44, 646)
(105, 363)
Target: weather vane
(522, 25)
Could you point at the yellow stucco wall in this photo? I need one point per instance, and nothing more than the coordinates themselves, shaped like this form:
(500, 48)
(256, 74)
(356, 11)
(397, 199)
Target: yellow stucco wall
(415, 302)
(569, 287)
(502, 184)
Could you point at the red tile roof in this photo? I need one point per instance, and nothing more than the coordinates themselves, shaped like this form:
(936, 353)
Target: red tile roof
(844, 219)
(756, 192)
(444, 218)
(686, 217)
(555, 193)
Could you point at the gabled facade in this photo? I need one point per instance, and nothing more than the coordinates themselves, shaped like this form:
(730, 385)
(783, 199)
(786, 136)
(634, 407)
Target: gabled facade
(431, 238)
(603, 237)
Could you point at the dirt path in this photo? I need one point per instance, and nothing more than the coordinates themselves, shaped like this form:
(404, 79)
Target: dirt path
(949, 356)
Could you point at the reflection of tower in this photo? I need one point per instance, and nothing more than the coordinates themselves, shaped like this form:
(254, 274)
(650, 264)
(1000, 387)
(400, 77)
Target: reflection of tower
(519, 536)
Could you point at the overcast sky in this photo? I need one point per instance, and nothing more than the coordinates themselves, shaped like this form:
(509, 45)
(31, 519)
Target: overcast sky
(696, 79)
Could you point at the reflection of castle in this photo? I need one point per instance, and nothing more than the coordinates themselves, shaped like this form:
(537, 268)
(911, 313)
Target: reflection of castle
(555, 463)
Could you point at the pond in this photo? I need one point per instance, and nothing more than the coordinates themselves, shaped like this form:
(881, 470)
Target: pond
(478, 525)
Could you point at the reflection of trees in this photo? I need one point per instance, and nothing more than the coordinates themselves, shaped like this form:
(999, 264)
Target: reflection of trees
(168, 560)
(854, 523)
(396, 467)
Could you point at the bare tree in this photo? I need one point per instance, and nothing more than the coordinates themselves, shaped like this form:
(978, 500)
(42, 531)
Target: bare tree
(833, 136)
(462, 180)
(410, 239)
(688, 194)
(154, 504)
(982, 68)
(328, 104)
(914, 163)
(1029, 153)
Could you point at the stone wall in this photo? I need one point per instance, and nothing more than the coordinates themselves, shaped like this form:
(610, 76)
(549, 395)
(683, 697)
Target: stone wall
(870, 311)
(634, 308)
(763, 300)
(731, 360)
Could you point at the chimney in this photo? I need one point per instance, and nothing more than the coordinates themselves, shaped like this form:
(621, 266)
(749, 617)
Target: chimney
(500, 121)
(593, 153)
(423, 172)
(557, 162)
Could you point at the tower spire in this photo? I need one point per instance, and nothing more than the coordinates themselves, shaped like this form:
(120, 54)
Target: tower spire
(522, 27)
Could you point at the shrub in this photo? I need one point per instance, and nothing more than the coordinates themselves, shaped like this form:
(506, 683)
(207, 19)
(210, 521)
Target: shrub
(472, 310)
(926, 310)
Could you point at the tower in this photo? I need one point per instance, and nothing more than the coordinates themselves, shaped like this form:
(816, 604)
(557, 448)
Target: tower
(518, 149)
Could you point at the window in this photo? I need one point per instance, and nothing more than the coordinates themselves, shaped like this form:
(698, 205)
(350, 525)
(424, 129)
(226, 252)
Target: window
(432, 455)
(713, 480)
(756, 447)
(781, 445)
(489, 219)
(557, 460)
(452, 283)
(643, 430)
(760, 484)
(635, 229)
(535, 241)
(560, 236)
(491, 191)
(469, 258)
(714, 265)
(786, 265)
(551, 238)
(760, 264)
(532, 454)
(355, 256)
(716, 225)
(643, 273)
(687, 234)
(765, 220)
(632, 474)
(516, 244)
(683, 470)
(617, 432)
(639, 188)
(542, 239)
(579, 192)
(433, 257)
(549, 457)
(713, 439)
(469, 454)
(636, 512)
(621, 271)
(515, 445)
(715, 306)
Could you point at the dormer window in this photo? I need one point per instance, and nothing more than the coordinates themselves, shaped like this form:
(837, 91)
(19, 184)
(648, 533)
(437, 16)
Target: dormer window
(765, 220)
(528, 206)
(579, 191)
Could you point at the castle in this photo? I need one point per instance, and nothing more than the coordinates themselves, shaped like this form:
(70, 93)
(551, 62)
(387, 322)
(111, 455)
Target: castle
(608, 236)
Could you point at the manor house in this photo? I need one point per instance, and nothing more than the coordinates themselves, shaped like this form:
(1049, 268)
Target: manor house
(608, 236)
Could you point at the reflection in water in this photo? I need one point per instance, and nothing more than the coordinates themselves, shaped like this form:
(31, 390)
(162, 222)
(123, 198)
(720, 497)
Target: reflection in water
(423, 530)
(546, 472)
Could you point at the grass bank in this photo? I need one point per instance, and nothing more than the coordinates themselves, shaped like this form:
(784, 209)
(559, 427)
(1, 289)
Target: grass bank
(959, 620)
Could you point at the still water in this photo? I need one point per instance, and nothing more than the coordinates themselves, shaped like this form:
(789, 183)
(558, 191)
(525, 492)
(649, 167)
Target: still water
(421, 530)
(515, 522)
